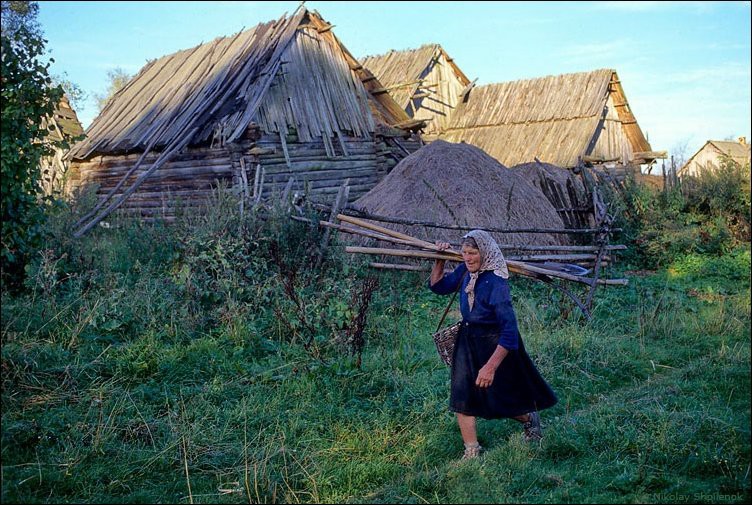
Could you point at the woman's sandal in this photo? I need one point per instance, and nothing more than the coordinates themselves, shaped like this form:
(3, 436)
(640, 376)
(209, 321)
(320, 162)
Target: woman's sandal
(472, 451)
(532, 427)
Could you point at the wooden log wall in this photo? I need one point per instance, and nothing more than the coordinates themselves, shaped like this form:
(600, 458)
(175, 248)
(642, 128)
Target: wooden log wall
(188, 179)
(367, 162)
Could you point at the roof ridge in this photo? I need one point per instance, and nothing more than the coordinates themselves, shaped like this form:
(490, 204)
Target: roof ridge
(403, 51)
(591, 72)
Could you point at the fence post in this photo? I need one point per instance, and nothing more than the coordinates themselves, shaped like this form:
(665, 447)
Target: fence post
(339, 202)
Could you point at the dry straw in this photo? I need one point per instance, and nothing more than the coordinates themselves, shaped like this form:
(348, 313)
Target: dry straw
(459, 184)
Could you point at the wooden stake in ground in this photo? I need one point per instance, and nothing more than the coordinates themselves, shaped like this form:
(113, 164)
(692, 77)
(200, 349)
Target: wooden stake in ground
(339, 202)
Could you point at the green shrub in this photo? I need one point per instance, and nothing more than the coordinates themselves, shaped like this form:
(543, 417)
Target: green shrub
(709, 214)
(723, 193)
(27, 98)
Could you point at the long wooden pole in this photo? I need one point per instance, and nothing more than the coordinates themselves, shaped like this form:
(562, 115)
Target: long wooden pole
(405, 253)
(160, 161)
(457, 227)
(514, 266)
(355, 231)
(395, 266)
(387, 231)
(385, 238)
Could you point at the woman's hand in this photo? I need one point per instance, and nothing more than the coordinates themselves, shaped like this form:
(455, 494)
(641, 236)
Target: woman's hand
(485, 376)
(437, 272)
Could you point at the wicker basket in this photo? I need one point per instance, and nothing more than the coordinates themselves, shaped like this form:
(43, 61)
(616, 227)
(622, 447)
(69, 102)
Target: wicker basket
(444, 340)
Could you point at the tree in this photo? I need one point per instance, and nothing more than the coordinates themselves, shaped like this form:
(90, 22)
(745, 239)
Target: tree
(76, 95)
(118, 79)
(680, 153)
(16, 15)
(27, 97)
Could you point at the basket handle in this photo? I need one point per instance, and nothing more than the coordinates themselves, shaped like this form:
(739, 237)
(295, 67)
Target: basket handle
(446, 311)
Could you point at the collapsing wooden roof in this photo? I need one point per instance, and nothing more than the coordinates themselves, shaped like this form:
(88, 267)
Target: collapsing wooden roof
(556, 119)
(65, 121)
(62, 125)
(401, 71)
(219, 88)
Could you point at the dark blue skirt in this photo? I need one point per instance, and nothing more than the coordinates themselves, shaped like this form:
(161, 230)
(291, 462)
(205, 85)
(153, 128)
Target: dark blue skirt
(517, 387)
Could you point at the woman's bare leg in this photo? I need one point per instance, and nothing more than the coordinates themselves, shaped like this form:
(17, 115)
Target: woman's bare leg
(523, 418)
(467, 429)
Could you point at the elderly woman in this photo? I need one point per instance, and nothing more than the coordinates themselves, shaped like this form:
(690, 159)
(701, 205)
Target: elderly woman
(492, 375)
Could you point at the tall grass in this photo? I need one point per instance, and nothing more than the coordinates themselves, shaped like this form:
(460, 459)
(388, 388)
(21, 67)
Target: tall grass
(172, 364)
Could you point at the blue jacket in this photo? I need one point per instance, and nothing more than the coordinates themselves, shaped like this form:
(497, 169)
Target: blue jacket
(492, 305)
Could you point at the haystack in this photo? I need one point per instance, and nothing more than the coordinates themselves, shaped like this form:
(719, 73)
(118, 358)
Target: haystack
(564, 190)
(459, 184)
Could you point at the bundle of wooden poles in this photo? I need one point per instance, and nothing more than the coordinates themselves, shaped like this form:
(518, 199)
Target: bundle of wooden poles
(417, 248)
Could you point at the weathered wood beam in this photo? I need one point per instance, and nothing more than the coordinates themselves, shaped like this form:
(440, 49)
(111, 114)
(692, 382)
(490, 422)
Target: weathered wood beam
(488, 229)
(399, 266)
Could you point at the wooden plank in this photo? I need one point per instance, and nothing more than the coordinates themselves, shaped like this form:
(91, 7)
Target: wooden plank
(496, 230)
(338, 203)
(398, 266)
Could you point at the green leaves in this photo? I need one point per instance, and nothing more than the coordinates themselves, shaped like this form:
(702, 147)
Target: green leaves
(27, 99)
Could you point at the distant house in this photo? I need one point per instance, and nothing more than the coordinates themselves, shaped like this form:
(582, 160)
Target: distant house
(556, 119)
(425, 82)
(710, 155)
(283, 101)
(63, 125)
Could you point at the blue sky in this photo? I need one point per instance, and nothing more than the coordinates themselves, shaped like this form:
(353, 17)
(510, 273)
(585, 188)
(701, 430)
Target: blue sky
(685, 66)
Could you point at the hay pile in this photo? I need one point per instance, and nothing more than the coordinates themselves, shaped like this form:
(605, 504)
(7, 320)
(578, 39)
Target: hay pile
(563, 189)
(459, 184)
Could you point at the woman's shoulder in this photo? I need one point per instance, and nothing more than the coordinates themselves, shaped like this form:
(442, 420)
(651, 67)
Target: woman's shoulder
(490, 277)
(496, 284)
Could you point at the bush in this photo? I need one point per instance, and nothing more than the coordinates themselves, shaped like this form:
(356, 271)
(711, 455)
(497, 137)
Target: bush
(27, 98)
(709, 214)
(723, 193)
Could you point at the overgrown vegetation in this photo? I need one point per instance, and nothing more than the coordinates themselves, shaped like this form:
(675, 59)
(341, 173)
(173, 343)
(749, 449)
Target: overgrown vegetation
(28, 96)
(208, 361)
(708, 214)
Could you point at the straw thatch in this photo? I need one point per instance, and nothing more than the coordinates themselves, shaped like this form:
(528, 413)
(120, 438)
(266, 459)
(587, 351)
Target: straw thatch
(709, 156)
(564, 190)
(557, 119)
(284, 99)
(425, 82)
(459, 184)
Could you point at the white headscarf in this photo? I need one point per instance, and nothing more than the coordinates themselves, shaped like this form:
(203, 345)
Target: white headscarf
(490, 259)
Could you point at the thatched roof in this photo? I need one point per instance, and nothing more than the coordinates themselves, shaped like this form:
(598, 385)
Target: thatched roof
(737, 151)
(459, 184)
(554, 118)
(400, 71)
(221, 87)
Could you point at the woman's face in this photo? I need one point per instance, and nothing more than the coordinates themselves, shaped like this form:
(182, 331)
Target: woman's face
(471, 257)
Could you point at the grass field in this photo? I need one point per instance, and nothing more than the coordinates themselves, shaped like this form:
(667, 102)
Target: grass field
(132, 385)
